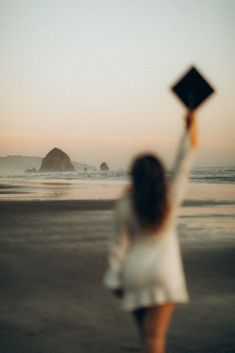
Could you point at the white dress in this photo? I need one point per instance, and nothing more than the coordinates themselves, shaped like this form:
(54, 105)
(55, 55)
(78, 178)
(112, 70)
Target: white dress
(148, 267)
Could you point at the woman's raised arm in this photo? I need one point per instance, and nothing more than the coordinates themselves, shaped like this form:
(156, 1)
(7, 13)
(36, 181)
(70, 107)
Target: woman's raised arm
(182, 164)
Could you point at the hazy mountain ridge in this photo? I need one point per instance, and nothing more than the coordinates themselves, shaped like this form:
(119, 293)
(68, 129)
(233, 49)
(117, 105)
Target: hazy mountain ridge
(18, 164)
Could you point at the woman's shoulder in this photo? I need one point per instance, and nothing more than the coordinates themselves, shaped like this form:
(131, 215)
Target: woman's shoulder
(124, 211)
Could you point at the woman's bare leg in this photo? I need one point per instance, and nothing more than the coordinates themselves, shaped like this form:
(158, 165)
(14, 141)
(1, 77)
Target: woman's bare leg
(156, 326)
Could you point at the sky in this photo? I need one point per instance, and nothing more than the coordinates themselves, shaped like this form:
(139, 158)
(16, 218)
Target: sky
(93, 78)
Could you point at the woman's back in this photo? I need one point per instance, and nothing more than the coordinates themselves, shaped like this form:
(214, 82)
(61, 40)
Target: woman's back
(145, 260)
(152, 271)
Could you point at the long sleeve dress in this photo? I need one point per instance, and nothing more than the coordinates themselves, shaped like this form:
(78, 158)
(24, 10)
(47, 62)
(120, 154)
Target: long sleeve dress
(148, 267)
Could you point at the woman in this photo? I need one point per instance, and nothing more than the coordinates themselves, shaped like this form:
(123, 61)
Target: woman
(145, 266)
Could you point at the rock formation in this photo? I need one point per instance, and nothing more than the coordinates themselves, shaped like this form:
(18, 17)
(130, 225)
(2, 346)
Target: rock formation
(29, 170)
(104, 167)
(56, 161)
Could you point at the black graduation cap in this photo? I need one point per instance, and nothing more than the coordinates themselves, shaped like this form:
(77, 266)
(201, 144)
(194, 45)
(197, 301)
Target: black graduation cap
(192, 89)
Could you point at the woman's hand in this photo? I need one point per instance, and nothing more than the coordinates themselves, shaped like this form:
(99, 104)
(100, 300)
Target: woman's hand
(191, 127)
(190, 120)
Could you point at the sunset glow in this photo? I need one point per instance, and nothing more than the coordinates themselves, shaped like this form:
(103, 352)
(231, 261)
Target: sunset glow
(93, 77)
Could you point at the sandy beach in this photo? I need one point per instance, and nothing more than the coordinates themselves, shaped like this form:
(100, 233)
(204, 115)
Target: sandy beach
(52, 259)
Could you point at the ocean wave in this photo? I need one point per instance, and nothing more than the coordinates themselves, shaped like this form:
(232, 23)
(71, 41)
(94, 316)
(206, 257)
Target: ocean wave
(216, 175)
(112, 175)
(210, 202)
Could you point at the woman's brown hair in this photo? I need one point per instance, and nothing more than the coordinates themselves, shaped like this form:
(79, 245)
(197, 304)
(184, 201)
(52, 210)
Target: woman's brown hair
(149, 191)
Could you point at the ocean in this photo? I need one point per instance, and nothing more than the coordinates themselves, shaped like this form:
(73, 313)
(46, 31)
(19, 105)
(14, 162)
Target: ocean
(214, 183)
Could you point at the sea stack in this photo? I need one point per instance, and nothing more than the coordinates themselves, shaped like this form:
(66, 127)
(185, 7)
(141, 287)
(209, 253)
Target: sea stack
(104, 167)
(31, 170)
(56, 161)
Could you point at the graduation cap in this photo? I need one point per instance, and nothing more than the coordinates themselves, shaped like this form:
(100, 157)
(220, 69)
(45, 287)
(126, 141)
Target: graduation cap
(192, 89)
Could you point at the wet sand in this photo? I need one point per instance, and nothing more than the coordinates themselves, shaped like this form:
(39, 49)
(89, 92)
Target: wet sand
(52, 259)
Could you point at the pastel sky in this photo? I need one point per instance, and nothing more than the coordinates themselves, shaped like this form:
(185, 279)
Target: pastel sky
(93, 77)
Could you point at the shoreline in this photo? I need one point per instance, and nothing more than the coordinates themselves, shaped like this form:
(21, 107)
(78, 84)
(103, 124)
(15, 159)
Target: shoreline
(55, 205)
(93, 204)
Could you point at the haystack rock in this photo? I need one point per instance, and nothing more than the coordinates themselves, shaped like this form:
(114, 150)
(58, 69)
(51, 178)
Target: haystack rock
(104, 167)
(56, 161)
